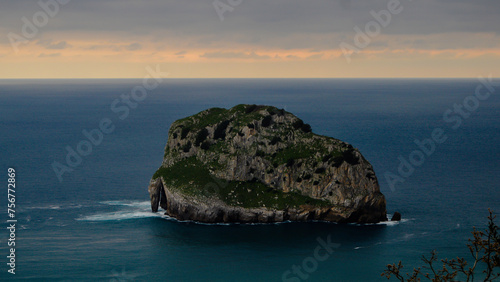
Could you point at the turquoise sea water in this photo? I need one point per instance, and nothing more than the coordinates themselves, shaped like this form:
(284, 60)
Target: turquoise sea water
(96, 224)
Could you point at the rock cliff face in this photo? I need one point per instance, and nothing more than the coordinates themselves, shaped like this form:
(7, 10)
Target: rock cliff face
(262, 164)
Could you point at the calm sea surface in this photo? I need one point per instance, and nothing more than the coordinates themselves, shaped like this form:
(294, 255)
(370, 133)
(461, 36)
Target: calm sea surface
(96, 224)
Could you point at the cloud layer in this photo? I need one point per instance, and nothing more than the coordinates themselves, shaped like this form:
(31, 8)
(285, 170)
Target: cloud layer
(279, 31)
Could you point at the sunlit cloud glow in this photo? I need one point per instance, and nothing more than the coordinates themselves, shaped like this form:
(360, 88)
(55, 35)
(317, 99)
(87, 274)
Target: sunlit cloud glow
(116, 39)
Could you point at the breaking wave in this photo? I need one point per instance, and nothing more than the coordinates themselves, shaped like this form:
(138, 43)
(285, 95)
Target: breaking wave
(119, 215)
(127, 210)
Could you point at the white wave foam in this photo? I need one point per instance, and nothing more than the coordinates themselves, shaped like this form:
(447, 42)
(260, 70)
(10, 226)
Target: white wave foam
(119, 215)
(409, 236)
(137, 204)
(393, 223)
(128, 210)
(141, 209)
(55, 207)
(48, 207)
(388, 223)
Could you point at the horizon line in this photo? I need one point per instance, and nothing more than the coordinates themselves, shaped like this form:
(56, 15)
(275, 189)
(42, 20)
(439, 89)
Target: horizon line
(172, 78)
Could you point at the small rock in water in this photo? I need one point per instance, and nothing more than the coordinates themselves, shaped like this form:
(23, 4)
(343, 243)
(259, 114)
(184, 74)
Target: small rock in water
(396, 217)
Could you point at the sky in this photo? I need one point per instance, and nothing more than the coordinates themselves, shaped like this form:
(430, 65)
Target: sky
(249, 38)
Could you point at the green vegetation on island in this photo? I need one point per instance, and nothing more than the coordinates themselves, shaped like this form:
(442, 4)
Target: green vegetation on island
(262, 157)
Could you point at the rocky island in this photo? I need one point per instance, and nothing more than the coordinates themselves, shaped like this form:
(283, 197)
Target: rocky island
(252, 164)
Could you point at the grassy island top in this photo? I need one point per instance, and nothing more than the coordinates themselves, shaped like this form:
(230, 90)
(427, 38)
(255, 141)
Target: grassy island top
(208, 148)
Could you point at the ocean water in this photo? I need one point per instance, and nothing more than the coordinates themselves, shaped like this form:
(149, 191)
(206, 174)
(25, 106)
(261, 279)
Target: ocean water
(96, 223)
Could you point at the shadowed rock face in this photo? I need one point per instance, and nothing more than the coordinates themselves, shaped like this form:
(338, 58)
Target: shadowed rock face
(262, 164)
